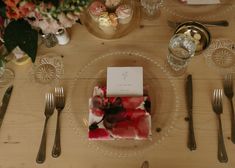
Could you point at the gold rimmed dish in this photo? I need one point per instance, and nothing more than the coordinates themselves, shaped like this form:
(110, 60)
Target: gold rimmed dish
(198, 32)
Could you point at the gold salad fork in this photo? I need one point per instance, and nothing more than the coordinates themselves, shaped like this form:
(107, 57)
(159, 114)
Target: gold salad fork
(59, 103)
(49, 109)
(228, 90)
(217, 105)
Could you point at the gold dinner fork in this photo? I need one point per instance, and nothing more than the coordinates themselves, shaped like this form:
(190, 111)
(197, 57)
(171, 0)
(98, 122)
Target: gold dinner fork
(59, 103)
(228, 90)
(49, 109)
(217, 105)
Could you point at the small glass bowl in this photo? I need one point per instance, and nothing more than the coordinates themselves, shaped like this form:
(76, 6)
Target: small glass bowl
(221, 56)
(48, 68)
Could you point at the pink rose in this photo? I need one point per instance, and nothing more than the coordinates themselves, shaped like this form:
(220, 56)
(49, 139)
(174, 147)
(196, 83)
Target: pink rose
(11, 3)
(48, 25)
(13, 13)
(26, 7)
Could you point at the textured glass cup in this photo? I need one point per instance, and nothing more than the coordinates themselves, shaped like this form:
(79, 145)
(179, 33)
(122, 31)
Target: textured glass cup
(6, 75)
(49, 40)
(151, 8)
(181, 49)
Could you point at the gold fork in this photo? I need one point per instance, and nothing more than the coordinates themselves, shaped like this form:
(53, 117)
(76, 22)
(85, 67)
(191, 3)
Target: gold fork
(59, 103)
(49, 109)
(228, 90)
(217, 105)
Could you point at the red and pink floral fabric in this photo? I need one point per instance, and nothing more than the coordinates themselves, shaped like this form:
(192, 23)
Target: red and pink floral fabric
(118, 117)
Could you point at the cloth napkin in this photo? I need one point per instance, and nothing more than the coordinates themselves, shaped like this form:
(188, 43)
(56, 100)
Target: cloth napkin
(118, 117)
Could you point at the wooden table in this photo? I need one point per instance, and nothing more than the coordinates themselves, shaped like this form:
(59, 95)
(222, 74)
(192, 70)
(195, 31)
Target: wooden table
(22, 127)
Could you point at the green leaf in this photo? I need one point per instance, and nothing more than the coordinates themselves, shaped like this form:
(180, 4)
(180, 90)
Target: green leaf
(19, 33)
(54, 2)
(2, 9)
(29, 44)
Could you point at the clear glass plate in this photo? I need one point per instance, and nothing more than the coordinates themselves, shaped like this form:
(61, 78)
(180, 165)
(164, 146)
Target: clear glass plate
(122, 29)
(179, 9)
(162, 92)
(221, 56)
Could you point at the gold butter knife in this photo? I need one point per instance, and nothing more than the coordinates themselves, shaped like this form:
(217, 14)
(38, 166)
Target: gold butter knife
(189, 98)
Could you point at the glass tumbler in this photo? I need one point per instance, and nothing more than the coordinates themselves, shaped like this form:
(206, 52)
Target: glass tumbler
(6, 75)
(181, 49)
(49, 40)
(151, 8)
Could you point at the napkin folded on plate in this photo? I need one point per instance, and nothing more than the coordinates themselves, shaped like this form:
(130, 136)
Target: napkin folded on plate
(118, 117)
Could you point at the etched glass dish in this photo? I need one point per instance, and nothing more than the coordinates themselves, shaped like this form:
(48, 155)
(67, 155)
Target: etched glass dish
(221, 56)
(200, 12)
(47, 69)
(162, 91)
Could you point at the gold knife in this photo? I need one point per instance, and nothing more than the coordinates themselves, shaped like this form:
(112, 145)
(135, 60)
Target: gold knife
(189, 98)
(5, 102)
(223, 23)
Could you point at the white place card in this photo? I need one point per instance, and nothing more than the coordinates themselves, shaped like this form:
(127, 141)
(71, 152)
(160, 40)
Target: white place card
(203, 2)
(124, 81)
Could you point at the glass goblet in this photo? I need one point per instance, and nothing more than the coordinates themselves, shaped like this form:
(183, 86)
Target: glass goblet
(151, 8)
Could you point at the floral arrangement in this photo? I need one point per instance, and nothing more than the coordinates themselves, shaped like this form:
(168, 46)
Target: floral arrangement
(46, 15)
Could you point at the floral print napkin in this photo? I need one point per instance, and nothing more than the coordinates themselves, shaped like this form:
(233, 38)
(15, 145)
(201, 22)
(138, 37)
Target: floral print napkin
(118, 117)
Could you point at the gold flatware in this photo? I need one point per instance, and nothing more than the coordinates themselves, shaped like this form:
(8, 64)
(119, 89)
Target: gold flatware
(49, 109)
(199, 32)
(223, 23)
(228, 90)
(189, 99)
(59, 104)
(4, 103)
(217, 105)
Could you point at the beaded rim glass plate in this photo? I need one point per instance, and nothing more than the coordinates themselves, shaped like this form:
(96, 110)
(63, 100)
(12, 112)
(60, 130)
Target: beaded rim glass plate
(122, 29)
(201, 12)
(221, 56)
(161, 89)
(48, 69)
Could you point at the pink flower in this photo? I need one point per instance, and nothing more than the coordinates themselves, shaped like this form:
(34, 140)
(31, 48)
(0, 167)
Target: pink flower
(26, 7)
(12, 3)
(65, 21)
(13, 12)
(48, 25)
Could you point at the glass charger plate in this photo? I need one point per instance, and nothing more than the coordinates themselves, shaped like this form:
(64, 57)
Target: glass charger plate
(161, 89)
(122, 29)
(201, 12)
